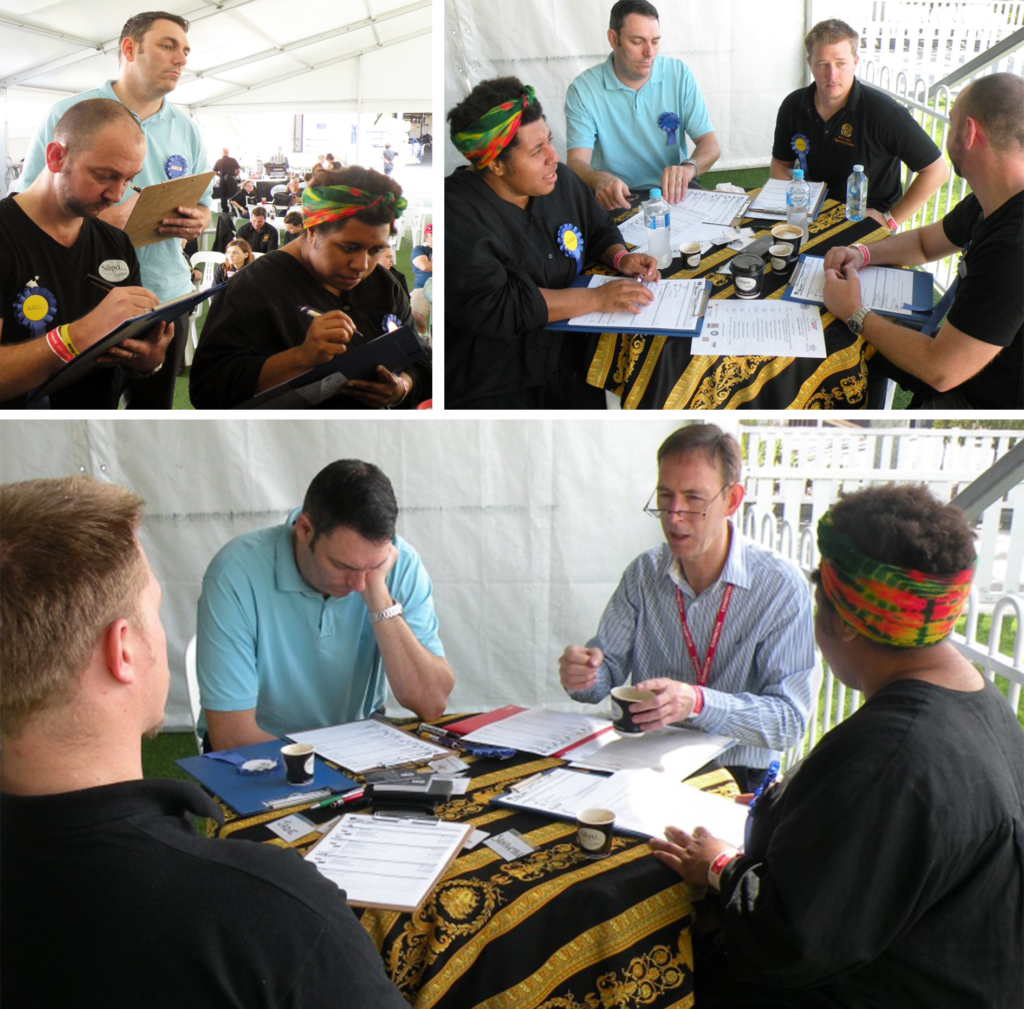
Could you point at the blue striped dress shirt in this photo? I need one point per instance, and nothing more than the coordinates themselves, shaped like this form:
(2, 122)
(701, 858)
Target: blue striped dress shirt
(760, 684)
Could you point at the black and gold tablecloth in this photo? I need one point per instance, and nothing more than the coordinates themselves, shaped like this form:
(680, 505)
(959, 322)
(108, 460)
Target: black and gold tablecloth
(551, 930)
(660, 373)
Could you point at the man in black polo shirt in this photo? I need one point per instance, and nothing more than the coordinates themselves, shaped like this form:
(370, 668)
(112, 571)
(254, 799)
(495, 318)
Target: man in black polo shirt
(262, 237)
(840, 122)
(227, 170)
(975, 360)
(53, 241)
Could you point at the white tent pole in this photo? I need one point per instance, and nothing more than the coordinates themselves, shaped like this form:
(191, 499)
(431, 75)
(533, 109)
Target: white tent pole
(4, 140)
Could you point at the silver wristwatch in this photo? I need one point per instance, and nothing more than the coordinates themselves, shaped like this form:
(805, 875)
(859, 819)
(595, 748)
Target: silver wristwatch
(696, 168)
(394, 610)
(855, 323)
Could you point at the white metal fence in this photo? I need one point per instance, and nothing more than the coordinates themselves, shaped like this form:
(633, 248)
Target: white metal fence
(794, 475)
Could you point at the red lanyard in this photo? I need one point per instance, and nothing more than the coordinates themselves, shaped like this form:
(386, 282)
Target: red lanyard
(702, 671)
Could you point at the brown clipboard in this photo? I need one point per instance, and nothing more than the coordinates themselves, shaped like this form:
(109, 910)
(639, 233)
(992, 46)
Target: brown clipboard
(160, 201)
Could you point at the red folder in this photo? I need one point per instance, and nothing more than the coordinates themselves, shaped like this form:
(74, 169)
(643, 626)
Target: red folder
(467, 725)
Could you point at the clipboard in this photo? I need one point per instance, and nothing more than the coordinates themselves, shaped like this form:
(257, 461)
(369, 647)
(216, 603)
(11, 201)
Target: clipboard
(76, 369)
(395, 350)
(779, 213)
(923, 294)
(160, 201)
(246, 793)
(639, 327)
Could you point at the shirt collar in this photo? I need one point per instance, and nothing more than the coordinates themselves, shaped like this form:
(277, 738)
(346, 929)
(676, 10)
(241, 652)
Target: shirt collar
(736, 570)
(106, 90)
(852, 100)
(612, 82)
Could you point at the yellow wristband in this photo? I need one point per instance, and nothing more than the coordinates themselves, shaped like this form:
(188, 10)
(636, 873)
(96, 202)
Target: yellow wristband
(64, 333)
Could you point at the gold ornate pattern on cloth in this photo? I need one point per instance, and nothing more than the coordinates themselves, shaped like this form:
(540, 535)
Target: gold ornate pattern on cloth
(549, 930)
(656, 372)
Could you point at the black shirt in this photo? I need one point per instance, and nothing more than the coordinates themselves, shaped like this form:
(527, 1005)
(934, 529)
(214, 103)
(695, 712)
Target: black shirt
(257, 315)
(43, 285)
(871, 129)
(227, 168)
(888, 868)
(264, 240)
(989, 300)
(498, 257)
(129, 906)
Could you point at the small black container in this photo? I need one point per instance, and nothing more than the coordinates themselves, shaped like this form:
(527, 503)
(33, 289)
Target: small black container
(748, 275)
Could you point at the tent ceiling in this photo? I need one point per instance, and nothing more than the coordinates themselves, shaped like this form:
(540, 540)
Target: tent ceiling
(244, 52)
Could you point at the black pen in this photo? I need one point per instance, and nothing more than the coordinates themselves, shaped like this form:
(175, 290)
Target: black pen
(99, 282)
(136, 188)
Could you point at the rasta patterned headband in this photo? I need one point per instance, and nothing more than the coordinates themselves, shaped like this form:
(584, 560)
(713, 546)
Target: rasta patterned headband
(485, 139)
(887, 604)
(322, 204)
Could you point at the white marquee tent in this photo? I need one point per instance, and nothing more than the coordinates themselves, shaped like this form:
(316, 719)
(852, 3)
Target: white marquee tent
(269, 58)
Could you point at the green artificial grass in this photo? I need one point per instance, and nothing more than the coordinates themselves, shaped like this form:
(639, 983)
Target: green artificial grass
(402, 263)
(159, 754)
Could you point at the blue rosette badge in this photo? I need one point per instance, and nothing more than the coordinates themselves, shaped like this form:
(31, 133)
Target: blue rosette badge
(175, 167)
(669, 122)
(570, 241)
(390, 323)
(35, 308)
(800, 148)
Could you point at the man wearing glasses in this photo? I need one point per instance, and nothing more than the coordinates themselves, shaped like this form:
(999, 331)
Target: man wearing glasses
(719, 629)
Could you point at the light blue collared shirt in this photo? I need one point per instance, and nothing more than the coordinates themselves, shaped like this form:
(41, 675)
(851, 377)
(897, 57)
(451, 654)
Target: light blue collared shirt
(760, 683)
(174, 147)
(620, 125)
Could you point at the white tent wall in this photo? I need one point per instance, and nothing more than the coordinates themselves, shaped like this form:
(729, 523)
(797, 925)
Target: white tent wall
(524, 526)
(745, 55)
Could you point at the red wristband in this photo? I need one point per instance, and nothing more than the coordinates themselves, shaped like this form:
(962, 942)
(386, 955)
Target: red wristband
(57, 345)
(618, 258)
(864, 252)
(698, 704)
(717, 867)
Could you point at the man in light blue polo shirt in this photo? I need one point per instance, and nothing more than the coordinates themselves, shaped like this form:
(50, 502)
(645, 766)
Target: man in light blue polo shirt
(306, 624)
(627, 118)
(153, 52)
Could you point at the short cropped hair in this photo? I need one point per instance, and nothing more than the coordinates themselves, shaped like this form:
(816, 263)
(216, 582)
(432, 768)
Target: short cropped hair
(830, 33)
(997, 103)
(484, 97)
(368, 181)
(720, 449)
(137, 26)
(258, 212)
(78, 126)
(70, 566)
(352, 494)
(624, 8)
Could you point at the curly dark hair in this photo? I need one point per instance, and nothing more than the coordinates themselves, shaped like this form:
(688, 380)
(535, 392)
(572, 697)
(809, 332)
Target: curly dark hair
(368, 181)
(484, 97)
(905, 526)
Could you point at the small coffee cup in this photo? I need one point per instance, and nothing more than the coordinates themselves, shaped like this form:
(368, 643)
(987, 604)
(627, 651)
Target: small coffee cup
(622, 698)
(788, 234)
(748, 275)
(780, 257)
(594, 828)
(690, 251)
(298, 763)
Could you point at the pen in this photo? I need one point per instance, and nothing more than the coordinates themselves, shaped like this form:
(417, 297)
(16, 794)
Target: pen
(311, 312)
(339, 800)
(136, 188)
(99, 282)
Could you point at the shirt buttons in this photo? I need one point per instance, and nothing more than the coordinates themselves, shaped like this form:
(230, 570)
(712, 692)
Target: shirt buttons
(550, 256)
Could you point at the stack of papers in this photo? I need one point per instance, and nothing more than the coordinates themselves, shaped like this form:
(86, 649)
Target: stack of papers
(679, 751)
(678, 306)
(882, 288)
(644, 802)
(362, 746)
(770, 203)
(537, 730)
(761, 328)
(704, 216)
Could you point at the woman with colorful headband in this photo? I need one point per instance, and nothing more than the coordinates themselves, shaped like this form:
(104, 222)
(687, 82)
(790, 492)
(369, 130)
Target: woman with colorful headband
(520, 228)
(308, 302)
(887, 869)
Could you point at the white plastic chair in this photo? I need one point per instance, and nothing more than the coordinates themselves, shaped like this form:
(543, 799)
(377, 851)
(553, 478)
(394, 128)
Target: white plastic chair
(192, 682)
(423, 209)
(209, 261)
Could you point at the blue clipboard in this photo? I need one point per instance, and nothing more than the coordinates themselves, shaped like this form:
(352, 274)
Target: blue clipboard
(395, 350)
(922, 305)
(584, 281)
(246, 793)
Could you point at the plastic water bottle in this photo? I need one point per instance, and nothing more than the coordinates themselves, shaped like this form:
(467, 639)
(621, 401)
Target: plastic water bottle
(798, 196)
(857, 195)
(657, 223)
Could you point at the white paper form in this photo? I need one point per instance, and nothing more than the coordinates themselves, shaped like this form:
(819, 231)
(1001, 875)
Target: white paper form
(769, 328)
(713, 208)
(539, 731)
(644, 802)
(770, 203)
(882, 288)
(704, 216)
(677, 750)
(360, 746)
(677, 305)
(388, 861)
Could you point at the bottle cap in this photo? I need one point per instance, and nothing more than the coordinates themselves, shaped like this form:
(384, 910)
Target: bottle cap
(798, 173)
(655, 194)
(858, 168)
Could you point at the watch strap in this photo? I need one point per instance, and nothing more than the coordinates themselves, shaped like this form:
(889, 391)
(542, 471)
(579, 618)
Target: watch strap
(394, 610)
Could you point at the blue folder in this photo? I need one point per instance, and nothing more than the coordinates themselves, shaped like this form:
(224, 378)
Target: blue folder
(924, 287)
(246, 793)
(584, 281)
